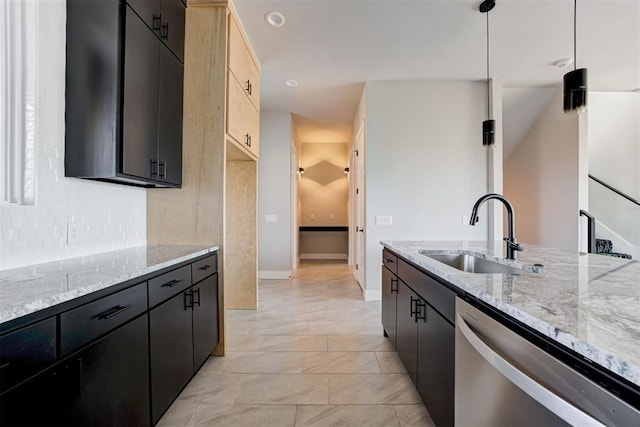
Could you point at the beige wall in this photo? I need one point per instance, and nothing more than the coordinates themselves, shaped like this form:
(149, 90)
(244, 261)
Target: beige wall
(324, 185)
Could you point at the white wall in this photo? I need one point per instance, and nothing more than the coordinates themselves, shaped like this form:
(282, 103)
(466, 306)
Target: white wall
(614, 139)
(425, 163)
(542, 179)
(108, 216)
(274, 196)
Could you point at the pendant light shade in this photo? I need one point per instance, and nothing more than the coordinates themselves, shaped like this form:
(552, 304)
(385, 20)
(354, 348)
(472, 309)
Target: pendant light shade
(488, 132)
(575, 90)
(575, 82)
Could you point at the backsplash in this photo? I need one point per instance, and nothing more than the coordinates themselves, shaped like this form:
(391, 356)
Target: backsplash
(106, 216)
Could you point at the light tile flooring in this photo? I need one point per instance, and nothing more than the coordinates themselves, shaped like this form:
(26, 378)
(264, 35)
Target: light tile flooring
(313, 354)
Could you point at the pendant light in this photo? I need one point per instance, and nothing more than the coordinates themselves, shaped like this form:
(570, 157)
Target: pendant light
(575, 82)
(489, 125)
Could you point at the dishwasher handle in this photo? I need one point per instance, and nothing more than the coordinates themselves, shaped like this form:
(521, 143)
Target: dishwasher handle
(539, 393)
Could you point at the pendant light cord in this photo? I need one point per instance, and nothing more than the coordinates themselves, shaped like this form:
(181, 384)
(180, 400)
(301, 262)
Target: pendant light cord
(488, 97)
(575, 43)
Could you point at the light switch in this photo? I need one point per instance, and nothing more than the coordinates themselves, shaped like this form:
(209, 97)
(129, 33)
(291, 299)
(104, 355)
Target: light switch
(271, 218)
(384, 220)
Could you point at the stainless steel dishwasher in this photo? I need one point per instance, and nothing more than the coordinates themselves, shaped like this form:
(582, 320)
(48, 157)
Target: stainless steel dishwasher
(504, 380)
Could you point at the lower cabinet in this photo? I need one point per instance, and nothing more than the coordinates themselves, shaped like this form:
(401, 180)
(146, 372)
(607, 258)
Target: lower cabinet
(183, 333)
(105, 384)
(436, 365)
(417, 306)
(389, 301)
(407, 329)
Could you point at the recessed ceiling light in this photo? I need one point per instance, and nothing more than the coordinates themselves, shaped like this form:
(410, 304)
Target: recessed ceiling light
(291, 83)
(275, 19)
(564, 62)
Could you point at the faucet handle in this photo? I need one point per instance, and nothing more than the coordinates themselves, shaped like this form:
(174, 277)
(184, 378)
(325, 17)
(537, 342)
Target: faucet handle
(514, 245)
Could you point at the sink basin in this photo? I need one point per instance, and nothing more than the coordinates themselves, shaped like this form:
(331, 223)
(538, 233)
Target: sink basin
(472, 264)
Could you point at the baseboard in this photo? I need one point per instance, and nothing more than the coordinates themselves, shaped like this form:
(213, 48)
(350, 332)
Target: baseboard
(277, 275)
(324, 256)
(372, 295)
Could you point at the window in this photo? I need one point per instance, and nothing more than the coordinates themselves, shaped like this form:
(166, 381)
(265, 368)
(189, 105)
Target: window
(17, 102)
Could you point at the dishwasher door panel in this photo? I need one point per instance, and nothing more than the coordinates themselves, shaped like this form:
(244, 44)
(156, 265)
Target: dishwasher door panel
(503, 379)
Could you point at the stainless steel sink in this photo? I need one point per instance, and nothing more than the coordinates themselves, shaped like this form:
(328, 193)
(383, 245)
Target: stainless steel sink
(472, 264)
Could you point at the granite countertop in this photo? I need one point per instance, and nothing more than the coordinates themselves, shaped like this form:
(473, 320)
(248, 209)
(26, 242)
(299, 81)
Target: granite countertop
(588, 303)
(26, 290)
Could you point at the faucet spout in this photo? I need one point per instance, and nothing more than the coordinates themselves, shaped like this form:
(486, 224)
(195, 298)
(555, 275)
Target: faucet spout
(512, 243)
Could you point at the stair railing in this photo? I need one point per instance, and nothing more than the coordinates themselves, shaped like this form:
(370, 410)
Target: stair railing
(615, 190)
(591, 231)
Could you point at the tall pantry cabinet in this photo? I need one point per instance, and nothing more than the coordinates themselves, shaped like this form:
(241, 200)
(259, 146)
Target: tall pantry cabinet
(217, 203)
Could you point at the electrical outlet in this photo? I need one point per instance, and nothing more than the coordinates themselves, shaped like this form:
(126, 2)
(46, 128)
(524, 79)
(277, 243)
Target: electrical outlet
(271, 218)
(384, 220)
(72, 234)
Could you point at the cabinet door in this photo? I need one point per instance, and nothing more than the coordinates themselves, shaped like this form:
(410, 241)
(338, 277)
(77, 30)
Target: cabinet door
(106, 384)
(242, 118)
(436, 365)
(389, 286)
(140, 106)
(242, 65)
(172, 26)
(171, 347)
(407, 329)
(205, 319)
(170, 118)
(149, 12)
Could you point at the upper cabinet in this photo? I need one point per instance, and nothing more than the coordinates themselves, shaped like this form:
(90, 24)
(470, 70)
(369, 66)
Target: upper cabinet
(243, 92)
(124, 91)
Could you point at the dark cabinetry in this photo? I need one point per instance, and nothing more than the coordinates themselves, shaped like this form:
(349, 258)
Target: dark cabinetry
(183, 333)
(425, 332)
(124, 90)
(118, 359)
(106, 383)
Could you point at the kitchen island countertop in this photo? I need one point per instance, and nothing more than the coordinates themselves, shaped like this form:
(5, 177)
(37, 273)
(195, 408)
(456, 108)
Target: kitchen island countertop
(26, 290)
(585, 302)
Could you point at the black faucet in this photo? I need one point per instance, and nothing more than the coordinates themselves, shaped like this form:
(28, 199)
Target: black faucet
(512, 244)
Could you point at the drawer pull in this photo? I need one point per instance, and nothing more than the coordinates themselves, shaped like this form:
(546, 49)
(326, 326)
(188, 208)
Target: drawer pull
(107, 314)
(389, 260)
(172, 283)
(205, 267)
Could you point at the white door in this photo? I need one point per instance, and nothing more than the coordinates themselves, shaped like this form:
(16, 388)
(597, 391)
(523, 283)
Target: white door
(359, 213)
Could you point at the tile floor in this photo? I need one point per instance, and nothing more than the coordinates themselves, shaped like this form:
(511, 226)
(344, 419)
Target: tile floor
(313, 354)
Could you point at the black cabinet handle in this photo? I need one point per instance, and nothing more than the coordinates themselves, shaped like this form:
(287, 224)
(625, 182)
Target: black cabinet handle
(414, 308)
(193, 300)
(188, 300)
(249, 87)
(250, 140)
(389, 260)
(247, 140)
(154, 167)
(421, 311)
(394, 291)
(114, 311)
(162, 167)
(157, 20)
(164, 31)
(205, 267)
(172, 283)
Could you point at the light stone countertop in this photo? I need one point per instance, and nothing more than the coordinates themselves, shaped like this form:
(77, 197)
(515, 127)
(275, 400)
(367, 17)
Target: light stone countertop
(588, 303)
(26, 290)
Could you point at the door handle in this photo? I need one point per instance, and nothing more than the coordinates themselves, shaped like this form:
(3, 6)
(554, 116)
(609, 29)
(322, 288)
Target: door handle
(421, 311)
(414, 308)
(196, 301)
(156, 22)
(535, 390)
(188, 300)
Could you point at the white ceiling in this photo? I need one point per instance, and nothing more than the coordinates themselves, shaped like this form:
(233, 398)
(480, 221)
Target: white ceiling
(333, 46)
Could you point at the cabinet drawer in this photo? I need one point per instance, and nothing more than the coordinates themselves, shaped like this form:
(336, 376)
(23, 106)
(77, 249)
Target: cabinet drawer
(81, 325)
(390, 261)
(167, 285)
(26, 351)
(439, 296)
(243, 121)
(204, 268)
(242, 65)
